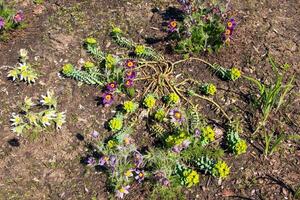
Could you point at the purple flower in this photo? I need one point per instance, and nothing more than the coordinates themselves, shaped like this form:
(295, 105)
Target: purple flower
(122, 191)
(231, 24)
(112, 161)
(130, 75)
(2, 23)
(186, 5)
(165, 182)
(111, 86)
(161, 177)
(103, 160)
(95, 134)
(130, 64)
(172, 26)
(177, 149)
(197, 133)
(139, 175)
(185, 144)
(91, 161)
(19, 16)
(176, 116)
(128, 83)
(107, 99)
(183, 2)
(138, 159)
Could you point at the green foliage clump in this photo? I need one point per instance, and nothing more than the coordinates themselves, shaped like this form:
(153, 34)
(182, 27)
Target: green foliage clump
(160, 115)
(116, 123)
(188, 177)
(173, 98)
(221, 169)
(271, 96)
(234, 142)
(227, 74)
(31, 122)
(149, 101)
(130, 106)
(208, 89)
(201, 30)
(207, 135)
(178, 139)
(9, 20)
(24, 72)
(216, 168)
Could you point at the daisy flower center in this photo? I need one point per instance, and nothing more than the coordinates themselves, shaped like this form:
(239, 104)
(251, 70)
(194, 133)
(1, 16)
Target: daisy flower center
(107, 97)
(227, 32)
(173, 24)
(130, 64)
(177, 115)
(112, 85)
(122, 190)
(229, 24)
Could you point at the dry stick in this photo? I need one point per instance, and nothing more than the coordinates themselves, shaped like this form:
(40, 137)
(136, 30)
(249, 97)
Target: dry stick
(176, 91)
(217, 105)
(144, 78)
(150, 85)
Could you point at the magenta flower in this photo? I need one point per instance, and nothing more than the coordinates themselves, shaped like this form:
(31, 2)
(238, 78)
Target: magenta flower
(107, 99)
(130, 64)
(2, 23)
(176, 116)
(128, 83)
(172, 26)
(122, 191)
(130, 74)
(112, 86)
(19, 16)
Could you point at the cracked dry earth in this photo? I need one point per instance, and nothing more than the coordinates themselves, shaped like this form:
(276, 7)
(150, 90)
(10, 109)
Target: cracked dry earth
(50, 166)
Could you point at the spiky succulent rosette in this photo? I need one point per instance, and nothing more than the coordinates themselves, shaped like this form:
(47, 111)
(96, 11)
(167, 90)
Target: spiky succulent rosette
(79, 75)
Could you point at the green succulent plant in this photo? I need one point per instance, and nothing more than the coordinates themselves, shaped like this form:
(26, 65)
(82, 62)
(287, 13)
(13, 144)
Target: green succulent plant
(221, 169)
(173, 98)
(208, 89)
(160, 115)
(130, 106)
(116, 124)
(149, 101)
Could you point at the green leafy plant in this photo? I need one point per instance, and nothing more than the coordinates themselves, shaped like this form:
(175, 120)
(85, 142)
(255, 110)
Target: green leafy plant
(271, 96)
(149, 101)
(208, 89)
(234, 142)
(23, 71)
(216, 168)
(130, 106)
(30, 122)
(272, 142)
(203, 27)
(9, 19)
(116, 123)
